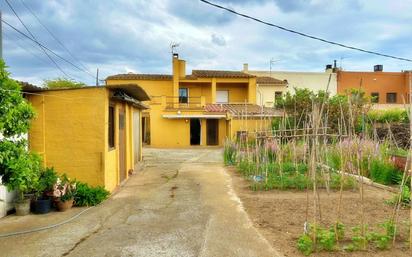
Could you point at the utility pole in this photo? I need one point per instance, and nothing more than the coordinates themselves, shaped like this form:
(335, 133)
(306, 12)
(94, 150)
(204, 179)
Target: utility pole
(97, 77)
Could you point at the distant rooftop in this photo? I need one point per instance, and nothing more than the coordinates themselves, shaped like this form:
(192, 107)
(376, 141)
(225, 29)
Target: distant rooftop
(195, 74)
(220, 74)
(140, 76)
(270, 80)
(239, 110)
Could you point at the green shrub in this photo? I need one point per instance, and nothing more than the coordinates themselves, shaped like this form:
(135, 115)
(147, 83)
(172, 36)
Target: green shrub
(390, 116)
(305, 244)
(48, 177)
(229, 153)
(89, 196)
(405, 197)
(383, 172)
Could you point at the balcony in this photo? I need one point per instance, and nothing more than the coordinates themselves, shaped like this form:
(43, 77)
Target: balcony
(172, 102)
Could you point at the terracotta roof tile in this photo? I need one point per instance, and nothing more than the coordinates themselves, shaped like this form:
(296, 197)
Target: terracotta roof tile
(140, 76)
(243, 109)
(270, 80)
(220, 74)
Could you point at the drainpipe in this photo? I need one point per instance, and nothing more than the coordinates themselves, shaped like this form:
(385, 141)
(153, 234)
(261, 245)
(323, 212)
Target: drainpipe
(44, 131)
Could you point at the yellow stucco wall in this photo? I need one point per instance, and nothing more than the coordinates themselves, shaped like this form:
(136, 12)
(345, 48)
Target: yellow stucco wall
(71, 133)
(68, 132)
(112, 170)
(250, 125)
(238, 92)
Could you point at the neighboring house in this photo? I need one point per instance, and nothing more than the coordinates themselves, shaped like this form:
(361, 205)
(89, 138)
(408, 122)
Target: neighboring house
(269, 89)
(203, 108)
(93, 134)
(314, 81)
(387, 89)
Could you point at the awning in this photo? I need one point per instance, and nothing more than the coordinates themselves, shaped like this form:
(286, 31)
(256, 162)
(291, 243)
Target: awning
(132, 90)
(194, 116)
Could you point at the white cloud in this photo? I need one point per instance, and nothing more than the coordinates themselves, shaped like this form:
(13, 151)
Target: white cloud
(130, 35)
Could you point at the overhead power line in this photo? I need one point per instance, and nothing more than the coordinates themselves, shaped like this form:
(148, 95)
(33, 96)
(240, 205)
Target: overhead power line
(46, 48)
(34, 38)
(28, 50)
(304, 34)
(52, 34)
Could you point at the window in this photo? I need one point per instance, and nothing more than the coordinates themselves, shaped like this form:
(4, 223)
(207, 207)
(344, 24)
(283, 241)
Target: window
(390, 98)
(111, 126)
(375, 97)
(278, 95)
(222, 96)
(183, 95)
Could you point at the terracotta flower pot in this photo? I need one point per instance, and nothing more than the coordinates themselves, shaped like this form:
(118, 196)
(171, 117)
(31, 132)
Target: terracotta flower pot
(64, 206)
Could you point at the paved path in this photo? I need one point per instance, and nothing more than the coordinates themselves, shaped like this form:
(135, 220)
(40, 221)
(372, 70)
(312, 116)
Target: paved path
(181, 204)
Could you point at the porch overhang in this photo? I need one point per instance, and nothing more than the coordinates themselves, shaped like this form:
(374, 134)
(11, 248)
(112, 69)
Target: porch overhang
(194, 116)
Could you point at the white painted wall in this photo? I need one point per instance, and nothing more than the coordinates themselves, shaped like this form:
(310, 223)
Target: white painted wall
(7, 198)
(265, 95)
(314, 81)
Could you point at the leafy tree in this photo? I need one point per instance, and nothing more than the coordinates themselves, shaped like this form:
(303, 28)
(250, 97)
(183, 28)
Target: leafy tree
(62, 83)
(15, 112)
(339, 109)
(18, 168)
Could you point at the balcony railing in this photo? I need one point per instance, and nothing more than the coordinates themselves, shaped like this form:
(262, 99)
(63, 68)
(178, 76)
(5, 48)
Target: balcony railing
(196, 102)
(171, 102)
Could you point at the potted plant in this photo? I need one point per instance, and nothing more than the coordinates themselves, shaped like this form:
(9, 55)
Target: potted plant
(44, 193)
(22, 174)
(64, 193)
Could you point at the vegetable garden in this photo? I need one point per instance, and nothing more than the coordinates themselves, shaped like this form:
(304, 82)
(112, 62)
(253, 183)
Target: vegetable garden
(328, 148)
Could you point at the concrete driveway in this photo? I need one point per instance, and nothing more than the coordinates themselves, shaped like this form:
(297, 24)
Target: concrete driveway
(180, 204)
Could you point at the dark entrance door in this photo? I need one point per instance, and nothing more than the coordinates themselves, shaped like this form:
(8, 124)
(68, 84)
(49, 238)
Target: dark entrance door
(195, 132)
(122, 144)
(212, 127)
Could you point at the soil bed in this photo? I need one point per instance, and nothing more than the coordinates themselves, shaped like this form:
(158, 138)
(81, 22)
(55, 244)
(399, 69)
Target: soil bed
(280, 215)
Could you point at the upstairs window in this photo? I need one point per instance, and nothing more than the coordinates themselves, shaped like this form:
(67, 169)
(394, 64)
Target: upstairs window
(390, 98)
(222, 96)
(375, 97)
(183, 95)
(111, 127)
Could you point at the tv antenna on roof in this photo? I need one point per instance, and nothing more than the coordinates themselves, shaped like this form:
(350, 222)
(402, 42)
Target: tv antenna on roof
(271, 63)
(173, 46)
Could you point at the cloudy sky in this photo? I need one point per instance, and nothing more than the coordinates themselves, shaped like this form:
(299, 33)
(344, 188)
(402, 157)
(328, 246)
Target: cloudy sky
(135, 35)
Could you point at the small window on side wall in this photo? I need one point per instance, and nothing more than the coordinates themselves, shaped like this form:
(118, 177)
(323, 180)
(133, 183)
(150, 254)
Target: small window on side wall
(278, 95)
(111, 127)
(183, 95)
(375, 97)
(390, 98)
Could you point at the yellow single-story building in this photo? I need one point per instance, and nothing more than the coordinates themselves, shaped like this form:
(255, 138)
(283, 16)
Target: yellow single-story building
(93, 134)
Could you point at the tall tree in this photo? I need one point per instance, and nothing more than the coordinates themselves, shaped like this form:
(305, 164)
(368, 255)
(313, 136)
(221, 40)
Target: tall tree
(62, 83)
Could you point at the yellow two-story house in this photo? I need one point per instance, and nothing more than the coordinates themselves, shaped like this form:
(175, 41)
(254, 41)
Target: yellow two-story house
(203, 108)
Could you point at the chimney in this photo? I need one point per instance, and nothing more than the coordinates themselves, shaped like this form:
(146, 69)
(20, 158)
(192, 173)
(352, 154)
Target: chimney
(328, 68)
(182, 68)
(179, 66)
(245, 67)
(378, 67)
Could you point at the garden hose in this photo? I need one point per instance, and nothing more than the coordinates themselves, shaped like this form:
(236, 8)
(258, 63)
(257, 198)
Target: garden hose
(45, 228)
